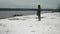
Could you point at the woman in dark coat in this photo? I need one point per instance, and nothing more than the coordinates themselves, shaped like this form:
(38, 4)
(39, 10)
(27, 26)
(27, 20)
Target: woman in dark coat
(39, 12)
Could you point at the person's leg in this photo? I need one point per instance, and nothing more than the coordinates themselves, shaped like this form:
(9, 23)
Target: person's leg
(39, 18)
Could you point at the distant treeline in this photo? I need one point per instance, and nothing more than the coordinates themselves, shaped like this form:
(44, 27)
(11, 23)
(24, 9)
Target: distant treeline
(25, 9)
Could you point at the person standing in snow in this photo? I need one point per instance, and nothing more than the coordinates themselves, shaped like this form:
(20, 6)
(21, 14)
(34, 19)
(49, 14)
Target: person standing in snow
(39, 12)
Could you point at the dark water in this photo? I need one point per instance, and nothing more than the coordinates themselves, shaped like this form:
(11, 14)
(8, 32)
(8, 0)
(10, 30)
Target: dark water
(5, 14)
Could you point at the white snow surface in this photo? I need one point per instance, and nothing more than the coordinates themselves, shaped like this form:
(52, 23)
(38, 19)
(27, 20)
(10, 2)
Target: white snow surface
(49, 24)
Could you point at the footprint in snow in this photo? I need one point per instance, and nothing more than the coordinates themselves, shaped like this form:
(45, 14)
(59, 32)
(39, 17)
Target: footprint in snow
(52, 18)
(1, 24)
(37, 17)
(14, 19)
(33, 31)
(17, 19)
(30, 26)
(50, 27)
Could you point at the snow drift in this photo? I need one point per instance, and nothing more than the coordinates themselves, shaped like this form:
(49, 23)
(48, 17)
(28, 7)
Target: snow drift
(49, 24)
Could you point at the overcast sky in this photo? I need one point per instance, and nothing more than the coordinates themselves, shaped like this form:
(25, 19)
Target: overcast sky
(28, 3)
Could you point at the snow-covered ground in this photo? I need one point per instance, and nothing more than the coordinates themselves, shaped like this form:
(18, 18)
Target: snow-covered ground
(49, 24)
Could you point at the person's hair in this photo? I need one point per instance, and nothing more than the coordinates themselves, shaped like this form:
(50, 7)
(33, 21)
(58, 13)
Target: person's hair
(38, 6)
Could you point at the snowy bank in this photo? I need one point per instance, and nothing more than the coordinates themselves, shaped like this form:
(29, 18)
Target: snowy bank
(49, 24)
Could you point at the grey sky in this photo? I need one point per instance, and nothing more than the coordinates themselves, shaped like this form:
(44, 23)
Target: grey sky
(28, 3)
